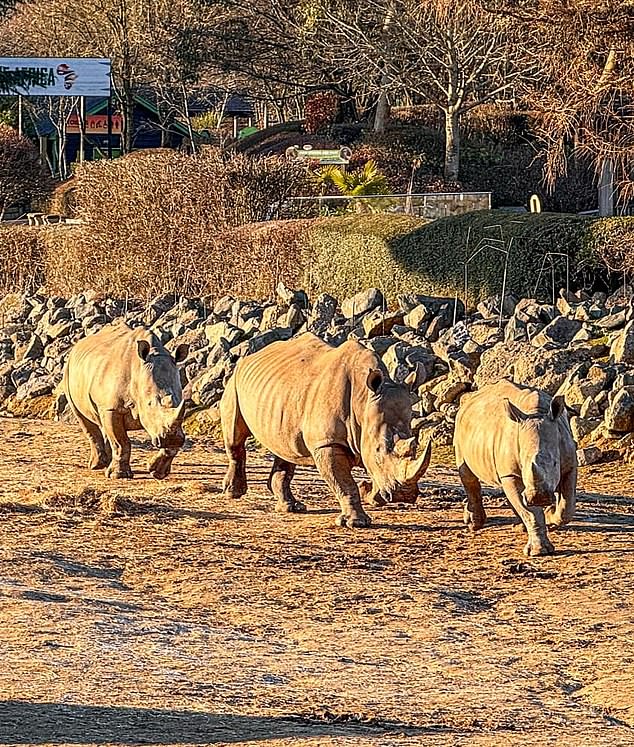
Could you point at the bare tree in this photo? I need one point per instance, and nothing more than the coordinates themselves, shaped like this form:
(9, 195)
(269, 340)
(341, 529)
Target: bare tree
(584, 54)
(451, 53)
(22, 176)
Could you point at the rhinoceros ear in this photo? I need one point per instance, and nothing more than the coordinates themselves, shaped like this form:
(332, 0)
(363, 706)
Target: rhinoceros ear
(182, 351)
(557, 406)
(374, 380)
(143, 349)
(513, 412)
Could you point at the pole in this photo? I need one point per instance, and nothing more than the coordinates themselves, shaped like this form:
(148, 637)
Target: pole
(110, 128)
(20, 116)
(82, 127)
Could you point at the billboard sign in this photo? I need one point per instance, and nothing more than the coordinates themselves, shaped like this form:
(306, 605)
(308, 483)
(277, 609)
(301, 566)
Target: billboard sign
(54, 76)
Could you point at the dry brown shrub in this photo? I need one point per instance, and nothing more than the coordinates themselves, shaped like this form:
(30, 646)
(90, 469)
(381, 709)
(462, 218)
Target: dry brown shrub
(21, 259)
(63, 199)
(161, 222)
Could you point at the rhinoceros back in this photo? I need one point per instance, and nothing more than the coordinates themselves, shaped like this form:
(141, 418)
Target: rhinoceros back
(299, 395)
(100, 369)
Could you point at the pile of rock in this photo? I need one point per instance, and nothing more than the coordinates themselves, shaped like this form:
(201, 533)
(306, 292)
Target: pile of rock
(581, 347)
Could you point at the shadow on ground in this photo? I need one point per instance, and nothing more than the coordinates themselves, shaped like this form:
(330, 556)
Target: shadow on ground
(28, 723)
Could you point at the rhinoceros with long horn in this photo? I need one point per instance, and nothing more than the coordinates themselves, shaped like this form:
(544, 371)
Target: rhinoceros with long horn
(122, 379)
(310, 403)
(519, 439)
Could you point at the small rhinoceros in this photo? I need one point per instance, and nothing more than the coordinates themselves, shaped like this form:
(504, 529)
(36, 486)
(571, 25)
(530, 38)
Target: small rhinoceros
(310, 403)
(123, 379)
(518, 438)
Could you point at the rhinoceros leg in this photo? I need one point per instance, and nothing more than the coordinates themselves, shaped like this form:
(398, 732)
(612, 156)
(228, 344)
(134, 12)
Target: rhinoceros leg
(99, 452)
(114, 427)
(474, 514)
(280, 485)
(564, 509)
(532, 517)
(235, 433)
(335, 466)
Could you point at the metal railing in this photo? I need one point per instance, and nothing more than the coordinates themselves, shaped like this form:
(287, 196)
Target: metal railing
(424, 204)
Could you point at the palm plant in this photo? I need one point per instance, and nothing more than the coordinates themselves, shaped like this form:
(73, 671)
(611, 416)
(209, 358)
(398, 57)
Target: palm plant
(365, 181)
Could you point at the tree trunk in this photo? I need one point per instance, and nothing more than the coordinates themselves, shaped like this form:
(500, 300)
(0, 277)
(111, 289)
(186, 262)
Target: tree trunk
(452, 144)
(127, 104)
(382, 111)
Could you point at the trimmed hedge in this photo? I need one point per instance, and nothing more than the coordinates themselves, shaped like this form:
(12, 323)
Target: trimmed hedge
(401, 254)
(338, 255)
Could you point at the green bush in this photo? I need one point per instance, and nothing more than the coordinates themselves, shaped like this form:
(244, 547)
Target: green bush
(401, 254)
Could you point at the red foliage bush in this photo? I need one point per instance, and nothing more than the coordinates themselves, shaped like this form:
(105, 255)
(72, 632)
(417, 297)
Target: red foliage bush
(321, 111)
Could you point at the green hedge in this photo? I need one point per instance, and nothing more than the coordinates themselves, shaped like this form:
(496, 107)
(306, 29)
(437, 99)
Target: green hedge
(402, 254)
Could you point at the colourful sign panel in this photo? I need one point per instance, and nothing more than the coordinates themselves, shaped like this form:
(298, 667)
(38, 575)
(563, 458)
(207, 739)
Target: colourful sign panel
(54, 76)
(96, 124)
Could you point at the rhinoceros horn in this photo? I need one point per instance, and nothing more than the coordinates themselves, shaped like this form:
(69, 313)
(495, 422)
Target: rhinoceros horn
(414, 469)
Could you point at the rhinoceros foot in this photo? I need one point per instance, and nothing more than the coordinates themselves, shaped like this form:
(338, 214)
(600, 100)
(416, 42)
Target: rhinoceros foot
(290, 507)
(535, 547)
(474, 520)
(119, 473)
(98, 462)
(358, 520)
(160, 467)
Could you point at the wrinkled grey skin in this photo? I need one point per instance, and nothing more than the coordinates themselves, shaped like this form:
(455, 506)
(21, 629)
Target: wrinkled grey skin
(120, 380)
(310, 403)
(518, 438)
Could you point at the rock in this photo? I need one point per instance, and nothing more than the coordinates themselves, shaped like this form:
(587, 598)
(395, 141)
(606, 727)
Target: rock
(266, 338)
(380, 345)
(544, 369)
(22, 372)
(34, 350)
(62, 328)
(426, 403)
(442, 434)
(589, 455)
(490, 307)
(590, 409)
(448, 391)
(294, 318)
(436, 304)
(581, 427)
(222, 331)
(584, 381)
(36, 386)
(394, 360)
(322, 314)
(222, 307)
(158, 306)
(289, 297)
(379, 322)
(207, 388)
(614, 320)
(418, 318)
(359, 304)
(619, 416)
(622, 349)
(560, 332)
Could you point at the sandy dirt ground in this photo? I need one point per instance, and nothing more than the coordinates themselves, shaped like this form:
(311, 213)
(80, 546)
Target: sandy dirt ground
(144, 612)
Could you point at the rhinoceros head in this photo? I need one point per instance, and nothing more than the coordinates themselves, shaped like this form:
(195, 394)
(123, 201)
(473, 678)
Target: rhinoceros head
(388, 448)
(539, 455)
(159, 403)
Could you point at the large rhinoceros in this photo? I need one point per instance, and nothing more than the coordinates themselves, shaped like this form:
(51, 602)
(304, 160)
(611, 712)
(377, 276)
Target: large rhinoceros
(123, 379)
(518, 438)
(310, 403)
